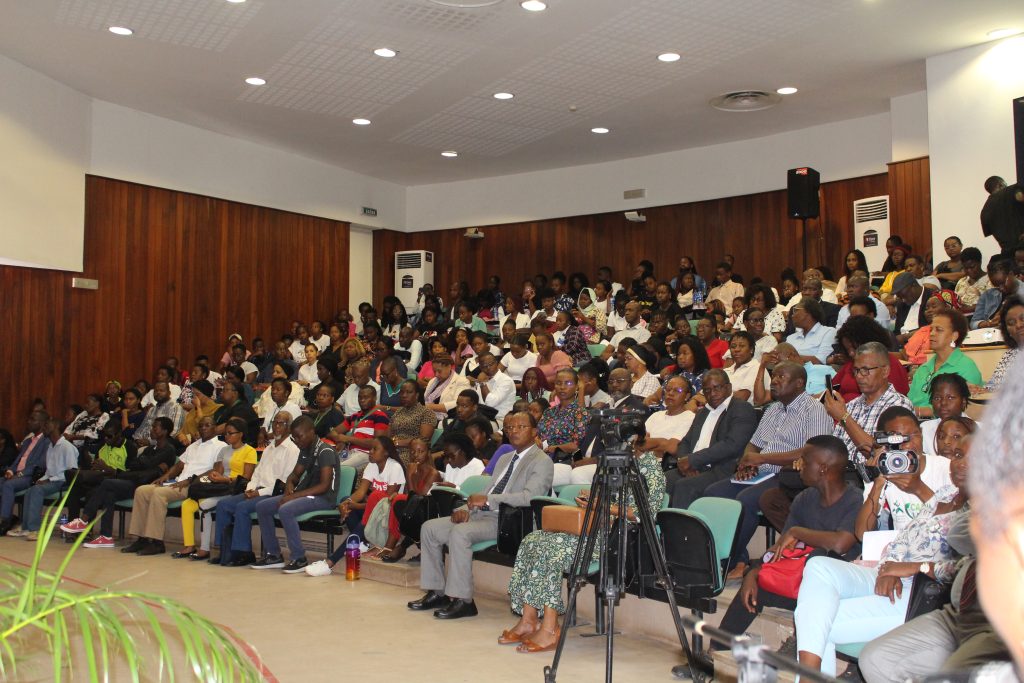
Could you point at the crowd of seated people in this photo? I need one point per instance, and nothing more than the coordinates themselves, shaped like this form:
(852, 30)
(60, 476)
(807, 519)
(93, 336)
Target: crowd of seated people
(770, 395)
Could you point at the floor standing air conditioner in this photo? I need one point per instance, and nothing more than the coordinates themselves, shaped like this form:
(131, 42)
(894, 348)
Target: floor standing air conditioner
(413, 269)
(871, 229)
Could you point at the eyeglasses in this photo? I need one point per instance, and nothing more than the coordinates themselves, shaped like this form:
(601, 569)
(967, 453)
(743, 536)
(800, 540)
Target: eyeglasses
(280, 422)
(677, 390)
(864, 370)
(564, 383)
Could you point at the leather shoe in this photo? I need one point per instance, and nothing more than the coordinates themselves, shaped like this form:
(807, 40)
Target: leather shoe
(241, 560)
(432, 600)
(457, 609)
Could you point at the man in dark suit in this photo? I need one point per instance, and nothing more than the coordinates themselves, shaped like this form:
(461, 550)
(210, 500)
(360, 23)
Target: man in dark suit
(710, 450)
(518, 477)
(910, 298)
(812, 289)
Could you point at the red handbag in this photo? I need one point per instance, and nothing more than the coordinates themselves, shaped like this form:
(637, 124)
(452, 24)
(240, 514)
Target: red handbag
(783, 576)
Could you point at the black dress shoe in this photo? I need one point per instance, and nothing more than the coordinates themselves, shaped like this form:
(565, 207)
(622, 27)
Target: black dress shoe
(135, 546)
(213, 559)
(432, 600)
(153, 548)
(457, 609)
(241, 560)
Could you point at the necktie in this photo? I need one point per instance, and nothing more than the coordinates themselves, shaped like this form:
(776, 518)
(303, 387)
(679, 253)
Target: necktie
(969, 590)
(503, 482)
(28, 451)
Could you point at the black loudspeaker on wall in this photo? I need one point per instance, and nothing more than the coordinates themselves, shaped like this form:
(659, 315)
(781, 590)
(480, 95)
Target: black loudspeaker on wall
(802, 187)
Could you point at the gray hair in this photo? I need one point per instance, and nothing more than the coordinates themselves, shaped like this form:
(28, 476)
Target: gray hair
(872, 348)
(996, 471)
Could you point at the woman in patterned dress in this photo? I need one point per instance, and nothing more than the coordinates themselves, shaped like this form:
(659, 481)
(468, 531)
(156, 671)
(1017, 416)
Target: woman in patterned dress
(535, 588)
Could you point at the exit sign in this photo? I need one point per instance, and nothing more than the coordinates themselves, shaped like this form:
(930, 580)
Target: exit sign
(367, 211)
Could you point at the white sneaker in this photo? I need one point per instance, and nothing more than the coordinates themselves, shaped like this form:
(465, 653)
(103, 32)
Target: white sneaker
(17, 533)
(31, 535)
(364, 548)
(319, 568)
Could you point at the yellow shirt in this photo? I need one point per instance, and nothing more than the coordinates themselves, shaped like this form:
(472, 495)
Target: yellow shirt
(886, 287)
(240, 457)
(192, 418)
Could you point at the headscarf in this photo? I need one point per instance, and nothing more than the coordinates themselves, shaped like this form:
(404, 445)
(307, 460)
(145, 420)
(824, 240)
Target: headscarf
(950, 297)
(593, 334)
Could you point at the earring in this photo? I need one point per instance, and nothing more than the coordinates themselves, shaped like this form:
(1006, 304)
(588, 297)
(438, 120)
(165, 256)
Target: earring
(952, 345)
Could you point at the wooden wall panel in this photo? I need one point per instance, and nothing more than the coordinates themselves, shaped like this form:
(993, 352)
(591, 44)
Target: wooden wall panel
(910, 204)
(754, 228)
(178, 272)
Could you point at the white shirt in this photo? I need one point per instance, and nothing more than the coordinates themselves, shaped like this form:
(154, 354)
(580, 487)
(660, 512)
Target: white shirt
(276, 463)
(726, 293)
(322, 343)
(415, 354)
(390, 476)
(708, 428)
(661, 425)
(148, 399)
(743, 377)
(201, 456)
(501, 394)
(826, 295)
(522, 321)
(349, 399)
(638, 332)
(598, 397)
(291, 408)
(248, 368)
(517, 366)
(458, 475)
(308, 373)
(911, 323)
(904, 507)
(298, 351)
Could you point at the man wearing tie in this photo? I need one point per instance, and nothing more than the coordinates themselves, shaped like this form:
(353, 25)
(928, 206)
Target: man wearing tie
(518, 477)
(18, 476)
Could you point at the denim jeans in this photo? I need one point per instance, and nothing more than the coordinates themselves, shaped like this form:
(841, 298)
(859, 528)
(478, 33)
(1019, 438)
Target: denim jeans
(32, 506)
(268, 507)
(8, 488)
(235, 511)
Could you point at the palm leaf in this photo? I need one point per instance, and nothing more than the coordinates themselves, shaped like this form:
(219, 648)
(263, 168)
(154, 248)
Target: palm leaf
(36, 609)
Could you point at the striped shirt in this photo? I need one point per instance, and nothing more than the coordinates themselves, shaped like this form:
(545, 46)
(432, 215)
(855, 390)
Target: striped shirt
(788, 427)
(867, 415)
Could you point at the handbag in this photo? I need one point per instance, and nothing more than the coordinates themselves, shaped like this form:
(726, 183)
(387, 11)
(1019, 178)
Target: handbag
(783, 576)
(565, 519)
(208, 489)
(375, 531)
(514, 523)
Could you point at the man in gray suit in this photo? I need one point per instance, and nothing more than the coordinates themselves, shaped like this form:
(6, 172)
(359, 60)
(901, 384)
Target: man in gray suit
(518, 477)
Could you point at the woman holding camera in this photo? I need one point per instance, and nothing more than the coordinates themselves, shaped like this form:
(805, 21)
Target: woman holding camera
(840, 602)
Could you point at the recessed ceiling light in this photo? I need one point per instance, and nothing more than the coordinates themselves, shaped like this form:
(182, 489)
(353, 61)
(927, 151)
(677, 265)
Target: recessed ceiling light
(450, 154)
(599, 131)
(256, 80)
(788, 90)
(361, 122)
(996, 34)
(237, 2)
(669, 57)
(533, 6)
(503, 96)
(121, 30)
(385, 52)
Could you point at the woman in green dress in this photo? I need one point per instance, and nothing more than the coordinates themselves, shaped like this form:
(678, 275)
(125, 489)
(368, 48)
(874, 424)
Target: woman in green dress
(949, 327)
(535, 588)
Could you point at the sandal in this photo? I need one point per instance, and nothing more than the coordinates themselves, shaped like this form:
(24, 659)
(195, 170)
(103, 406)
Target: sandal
(181, 554)
(527, 646)
(510, 638)
(196, 557)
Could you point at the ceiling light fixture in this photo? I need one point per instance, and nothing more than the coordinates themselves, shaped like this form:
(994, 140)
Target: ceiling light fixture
(450, 154)
(236, 2)
(996, 34)
(120, 30)
(256, 80)
(533, 6)
(385, 52)
(669, 57)
(788, 90)
(503, 96)
(361, 122)
(599, 131)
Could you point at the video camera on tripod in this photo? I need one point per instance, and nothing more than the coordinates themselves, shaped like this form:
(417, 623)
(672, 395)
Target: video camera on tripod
(620, 427)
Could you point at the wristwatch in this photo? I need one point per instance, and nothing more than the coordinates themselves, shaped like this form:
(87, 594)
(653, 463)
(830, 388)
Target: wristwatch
(925, 567)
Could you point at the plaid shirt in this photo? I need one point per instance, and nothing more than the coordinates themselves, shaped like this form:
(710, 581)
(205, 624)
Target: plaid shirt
(867, 415)
(786, 428)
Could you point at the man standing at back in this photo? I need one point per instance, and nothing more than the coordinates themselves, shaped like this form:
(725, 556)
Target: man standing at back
(518, 477)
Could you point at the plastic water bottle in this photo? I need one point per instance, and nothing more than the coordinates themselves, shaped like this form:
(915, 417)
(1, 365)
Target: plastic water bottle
(63, 520)
(352, 558)
(698, 299)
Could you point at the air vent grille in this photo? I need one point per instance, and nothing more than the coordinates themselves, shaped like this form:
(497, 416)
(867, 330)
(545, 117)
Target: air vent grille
(409, 260)
(874, 210)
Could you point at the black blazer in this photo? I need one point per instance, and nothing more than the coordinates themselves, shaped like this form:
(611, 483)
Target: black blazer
(831, 313)
(731, 435)
(902, 310)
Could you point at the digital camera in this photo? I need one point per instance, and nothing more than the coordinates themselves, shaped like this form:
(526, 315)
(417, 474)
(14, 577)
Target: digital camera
(893, 460)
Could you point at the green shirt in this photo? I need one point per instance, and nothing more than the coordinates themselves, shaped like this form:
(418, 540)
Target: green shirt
(115, 457)
(957, 364)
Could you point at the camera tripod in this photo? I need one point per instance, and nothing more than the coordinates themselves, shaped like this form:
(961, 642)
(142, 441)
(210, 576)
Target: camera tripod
(617, 476)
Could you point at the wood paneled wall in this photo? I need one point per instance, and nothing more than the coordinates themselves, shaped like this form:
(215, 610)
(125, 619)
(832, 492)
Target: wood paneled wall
(754, 228)
(910, 204)
(177, 273)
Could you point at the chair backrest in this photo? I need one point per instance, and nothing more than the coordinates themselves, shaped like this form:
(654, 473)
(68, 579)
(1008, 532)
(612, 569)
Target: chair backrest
(436, 437)
(569, 492)
(595, 349)
(478, 483)
(690, 553)
(346, 481)
(722, 515)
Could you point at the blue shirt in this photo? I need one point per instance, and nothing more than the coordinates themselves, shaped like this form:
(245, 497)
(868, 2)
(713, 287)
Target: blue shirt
(988, 303)
(881, 315)
(817, 341)
(816, 375)
(61, 457)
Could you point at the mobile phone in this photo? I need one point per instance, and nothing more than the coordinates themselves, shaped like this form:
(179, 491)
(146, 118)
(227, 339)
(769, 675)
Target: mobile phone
(829, 387)
(767, 557)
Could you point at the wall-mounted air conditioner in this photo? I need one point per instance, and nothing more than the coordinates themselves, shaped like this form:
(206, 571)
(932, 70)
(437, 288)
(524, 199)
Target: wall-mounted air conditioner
(871, 229)
(413, 269)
